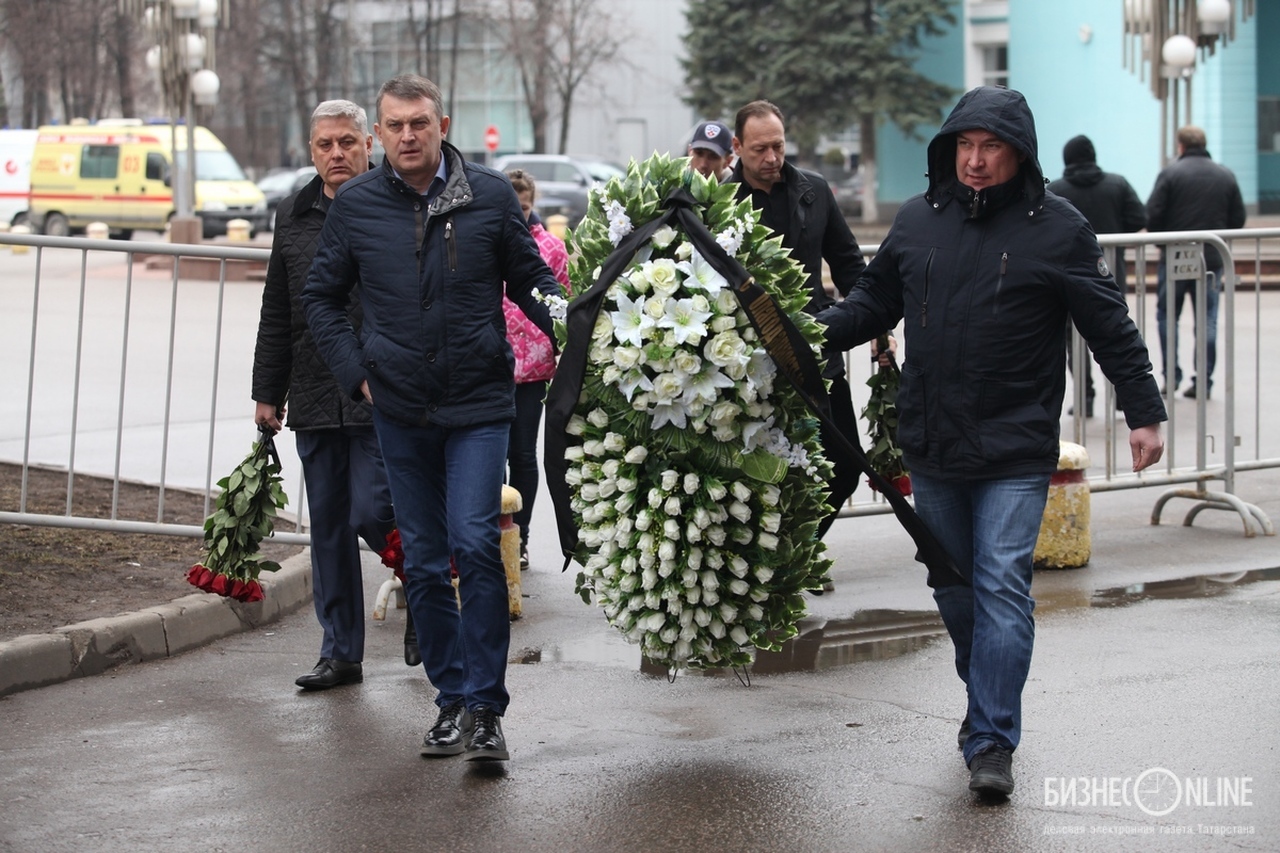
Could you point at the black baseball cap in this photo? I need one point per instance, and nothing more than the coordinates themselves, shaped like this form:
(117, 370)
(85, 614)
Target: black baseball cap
(713, 136)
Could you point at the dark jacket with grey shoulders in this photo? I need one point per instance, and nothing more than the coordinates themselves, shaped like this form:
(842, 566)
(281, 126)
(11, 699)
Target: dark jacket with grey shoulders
(984, 282)
(433, 344)
(286, 365)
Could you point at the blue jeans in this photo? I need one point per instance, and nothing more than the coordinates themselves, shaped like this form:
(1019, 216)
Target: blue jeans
(447, 487)
(990, 528)
(349, 498)
(1182, 291)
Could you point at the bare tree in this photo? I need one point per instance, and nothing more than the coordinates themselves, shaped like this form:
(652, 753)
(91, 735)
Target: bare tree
(556, 45)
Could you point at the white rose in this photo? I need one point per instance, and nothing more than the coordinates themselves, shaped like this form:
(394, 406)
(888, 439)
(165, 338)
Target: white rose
(656, 306)
(726, 302)
(649, 579)
(662, 238)
(598, 418)
(694, 558)
(739, 587)
(709, 580)
(771, 521)
(574, 453)
(716, 628)
(611, 375)
(770, 495)
(626, 484)
(672, 506)
(593, 447)
(740, 491)
(667, 550)
(702, 616)
(755, 612)
(742, 535)
(663, 276)
(614, 443)
(655, 498)
(671, 529)
(684, 251)
(600, 353)
(764, 574)
(690, 483)
(728, 612)
(739, 635)
(740, 511)
(715, 559)
(716, 535)
(768, 541)
(626, 358)
(723, 323)
(738, 566)
(693, 595)
(603, 330)
(724, 413)
(636, 455)
(576, 425)
(726, 349)
(644, 519)
(665, 568)
(590, 492)
(686, 362)
(668, 387)
(626, 502)
(669, 479)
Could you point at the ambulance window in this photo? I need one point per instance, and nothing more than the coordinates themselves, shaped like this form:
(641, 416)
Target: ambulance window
(157, 167)
(99, 161)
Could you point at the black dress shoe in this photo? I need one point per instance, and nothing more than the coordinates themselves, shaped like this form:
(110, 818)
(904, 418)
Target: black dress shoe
(412, 654)
(448, 736)
(487, 742)
(331, 673)
(991, 772)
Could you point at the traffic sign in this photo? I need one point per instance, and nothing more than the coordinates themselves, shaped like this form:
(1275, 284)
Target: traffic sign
(491, 137)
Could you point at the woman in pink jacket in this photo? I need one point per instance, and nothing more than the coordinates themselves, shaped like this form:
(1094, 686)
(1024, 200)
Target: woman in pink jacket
(535, 364)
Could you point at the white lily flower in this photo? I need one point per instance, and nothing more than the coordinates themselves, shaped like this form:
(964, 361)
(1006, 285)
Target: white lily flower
(701, 274)
(630, 322)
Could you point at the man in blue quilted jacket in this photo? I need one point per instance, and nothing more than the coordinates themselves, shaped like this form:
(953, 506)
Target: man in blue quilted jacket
(431, 238)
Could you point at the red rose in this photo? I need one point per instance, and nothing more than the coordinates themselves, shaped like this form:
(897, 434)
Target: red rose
(193, 574)
(205, 579)
(221, 585)
(253, 591)
(237, 590)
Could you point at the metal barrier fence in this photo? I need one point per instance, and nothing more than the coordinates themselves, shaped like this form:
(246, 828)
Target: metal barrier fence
(136, 360)
(138, 370)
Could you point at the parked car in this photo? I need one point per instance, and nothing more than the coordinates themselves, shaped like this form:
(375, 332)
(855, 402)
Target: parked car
(278, 186)
(849, 196)
(563, 182)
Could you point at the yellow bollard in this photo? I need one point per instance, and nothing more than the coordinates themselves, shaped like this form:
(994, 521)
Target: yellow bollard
(511, 503)
(238, 231)
(558, 224)
(20, 229)
(97, 231)
(1065, 541)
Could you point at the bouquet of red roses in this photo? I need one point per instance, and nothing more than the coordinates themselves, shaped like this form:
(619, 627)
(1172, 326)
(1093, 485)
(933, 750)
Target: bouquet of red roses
(244, 516)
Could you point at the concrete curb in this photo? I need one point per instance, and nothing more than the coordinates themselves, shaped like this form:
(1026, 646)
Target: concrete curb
(100, 645)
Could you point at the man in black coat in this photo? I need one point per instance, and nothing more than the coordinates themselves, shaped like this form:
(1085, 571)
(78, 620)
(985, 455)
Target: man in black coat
(1108, 202)
(984, 269)
(346, 483)
(800, 206)
(1193, 193)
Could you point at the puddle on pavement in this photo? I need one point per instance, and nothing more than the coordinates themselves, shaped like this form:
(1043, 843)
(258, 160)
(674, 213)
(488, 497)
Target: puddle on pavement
(876, 634)
(1200, 586)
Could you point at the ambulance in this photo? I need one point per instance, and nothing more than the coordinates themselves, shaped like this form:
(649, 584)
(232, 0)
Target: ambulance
(121, 172)
(16, 147)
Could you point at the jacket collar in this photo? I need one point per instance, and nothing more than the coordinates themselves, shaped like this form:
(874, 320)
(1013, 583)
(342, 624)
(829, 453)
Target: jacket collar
(306, 197)
(457, 189)
(797, 183)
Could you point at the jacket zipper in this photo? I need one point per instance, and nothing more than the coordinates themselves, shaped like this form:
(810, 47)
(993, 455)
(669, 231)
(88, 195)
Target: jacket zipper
(924, 303)
(451, 245)
(1004, 268)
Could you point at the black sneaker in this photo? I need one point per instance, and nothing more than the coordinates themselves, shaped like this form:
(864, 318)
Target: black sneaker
(448, 735)
(486, 742)
(963, 734)
(991, 772)
(1190, 393)
(524, 558)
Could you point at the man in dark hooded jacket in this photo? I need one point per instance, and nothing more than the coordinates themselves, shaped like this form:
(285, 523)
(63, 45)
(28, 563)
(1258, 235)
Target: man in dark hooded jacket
(984, 269)
(1107, 201)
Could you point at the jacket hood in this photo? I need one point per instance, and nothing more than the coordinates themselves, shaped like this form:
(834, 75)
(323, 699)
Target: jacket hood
(1003, 112)
(1083, 174)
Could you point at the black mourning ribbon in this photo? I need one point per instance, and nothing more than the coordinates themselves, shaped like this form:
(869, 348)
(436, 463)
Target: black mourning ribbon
(782, 341)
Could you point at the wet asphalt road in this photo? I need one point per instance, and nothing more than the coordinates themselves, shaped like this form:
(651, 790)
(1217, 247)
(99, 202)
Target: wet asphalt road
(215, 750)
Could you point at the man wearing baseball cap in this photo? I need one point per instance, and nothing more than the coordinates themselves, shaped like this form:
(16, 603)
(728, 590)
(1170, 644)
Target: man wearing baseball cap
(711, 150)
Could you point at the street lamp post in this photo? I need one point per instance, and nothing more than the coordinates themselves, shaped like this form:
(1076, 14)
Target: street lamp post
(183, 59)
(1163, 38)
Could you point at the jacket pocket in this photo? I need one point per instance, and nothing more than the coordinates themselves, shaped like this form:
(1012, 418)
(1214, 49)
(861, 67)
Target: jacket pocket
(1013, 425)
(911, 411)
